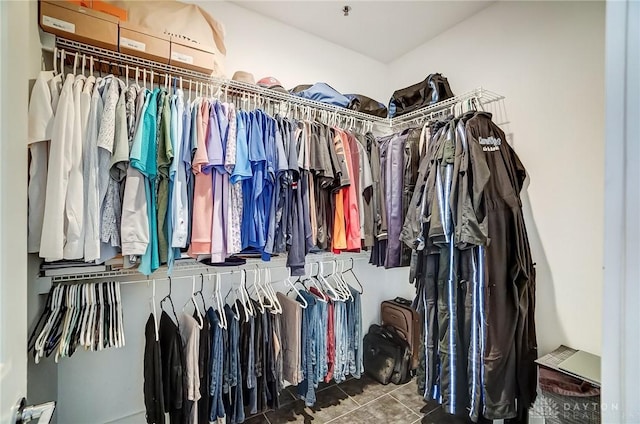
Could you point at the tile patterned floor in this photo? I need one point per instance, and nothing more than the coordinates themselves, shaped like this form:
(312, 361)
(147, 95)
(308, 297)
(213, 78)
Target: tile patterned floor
(358, 401)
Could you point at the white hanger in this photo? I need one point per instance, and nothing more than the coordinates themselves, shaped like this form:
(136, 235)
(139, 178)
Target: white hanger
(249, 304)
(295, 289)
(91, 334)
(113, 330)
(272, 293)
(85, 313)
(55, 61)
(341, 280)
(120, 317)
(257, 292)
(267, 295)
(333, 294)
(63, 56)
(218, 304)
(65, 323)
(323, 296)
(152, 80)
(220, 300)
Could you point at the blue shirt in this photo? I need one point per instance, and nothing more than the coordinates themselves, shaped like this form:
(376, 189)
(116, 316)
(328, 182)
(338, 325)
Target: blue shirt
(148, 166)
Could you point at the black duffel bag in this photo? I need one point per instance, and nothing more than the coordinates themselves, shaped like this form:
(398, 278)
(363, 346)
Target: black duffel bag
(367, 105)
(433, 89)
(386, 355)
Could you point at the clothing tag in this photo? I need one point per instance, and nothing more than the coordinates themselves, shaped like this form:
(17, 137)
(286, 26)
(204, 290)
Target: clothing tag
(133, 44)
(180, 57)
(59, 24)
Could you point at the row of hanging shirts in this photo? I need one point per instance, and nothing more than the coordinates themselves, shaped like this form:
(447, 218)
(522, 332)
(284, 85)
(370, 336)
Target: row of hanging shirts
(80, 199)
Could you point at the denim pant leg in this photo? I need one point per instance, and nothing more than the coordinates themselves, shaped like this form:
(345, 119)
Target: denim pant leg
(252, 381)
(357, 329)
(238, 405)
(322, 342)
(217, 360)
(351, 325)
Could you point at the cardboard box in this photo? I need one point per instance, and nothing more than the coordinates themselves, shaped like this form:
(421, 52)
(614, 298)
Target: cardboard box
(198, 57)
(109, 9)
(83, 3)
(142, 42)
(68, 20)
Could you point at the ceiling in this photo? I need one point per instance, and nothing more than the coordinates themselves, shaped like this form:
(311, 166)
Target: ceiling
(382, 30)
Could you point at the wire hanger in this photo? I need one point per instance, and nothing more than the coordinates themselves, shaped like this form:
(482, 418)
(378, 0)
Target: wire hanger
(168, 297)
(195, 304)
(354, 275)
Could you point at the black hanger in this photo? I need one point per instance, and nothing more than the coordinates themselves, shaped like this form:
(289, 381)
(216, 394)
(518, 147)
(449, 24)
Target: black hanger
(31, 344)
(361, 291)
(56, 330)
(204, 305)
(168, 297)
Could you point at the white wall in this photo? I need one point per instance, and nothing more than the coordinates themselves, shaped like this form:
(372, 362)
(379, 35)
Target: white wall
(547, 58)
(265, 47)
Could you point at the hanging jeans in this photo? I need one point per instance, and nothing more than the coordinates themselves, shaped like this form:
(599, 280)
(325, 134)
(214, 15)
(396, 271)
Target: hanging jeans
(306, 389)
(216, 366)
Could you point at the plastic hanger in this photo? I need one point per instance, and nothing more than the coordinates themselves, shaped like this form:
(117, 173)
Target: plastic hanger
(90, 334)
(63, 56)
(272, 293)
(120, 317)
(341, 285)
(100, 320)
(295, 289)
(113, 329)
(41, 341)
(249, 304)
(195, 303)
(204, 304)
(234, 305)
(220, 302)
(42, 321)
(55, 61)
(152, 304)
(261, 305)
(168, 297)
(333, 294)
(65, 323)
(361, 291)
(265, 296)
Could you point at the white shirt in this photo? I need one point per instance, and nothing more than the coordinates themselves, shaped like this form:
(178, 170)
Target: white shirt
(41, 118)
(53, 228)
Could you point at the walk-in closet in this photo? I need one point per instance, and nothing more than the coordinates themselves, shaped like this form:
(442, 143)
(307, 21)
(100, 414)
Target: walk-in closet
(318, 211)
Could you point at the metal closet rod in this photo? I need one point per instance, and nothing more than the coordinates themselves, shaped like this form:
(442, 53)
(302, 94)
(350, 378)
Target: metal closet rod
(122, 60)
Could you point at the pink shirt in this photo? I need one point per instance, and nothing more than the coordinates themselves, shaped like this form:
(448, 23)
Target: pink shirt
(203, 190)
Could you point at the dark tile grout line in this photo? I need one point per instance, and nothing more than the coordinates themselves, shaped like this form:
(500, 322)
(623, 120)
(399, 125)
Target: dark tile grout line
(401, 403)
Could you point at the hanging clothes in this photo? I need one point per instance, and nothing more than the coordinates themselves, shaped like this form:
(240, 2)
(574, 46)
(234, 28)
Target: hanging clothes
(152, 176)
(480, 342)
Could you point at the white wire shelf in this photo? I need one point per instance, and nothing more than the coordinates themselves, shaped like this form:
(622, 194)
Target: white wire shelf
(481, 95)
(186, 268)
(113, 58)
